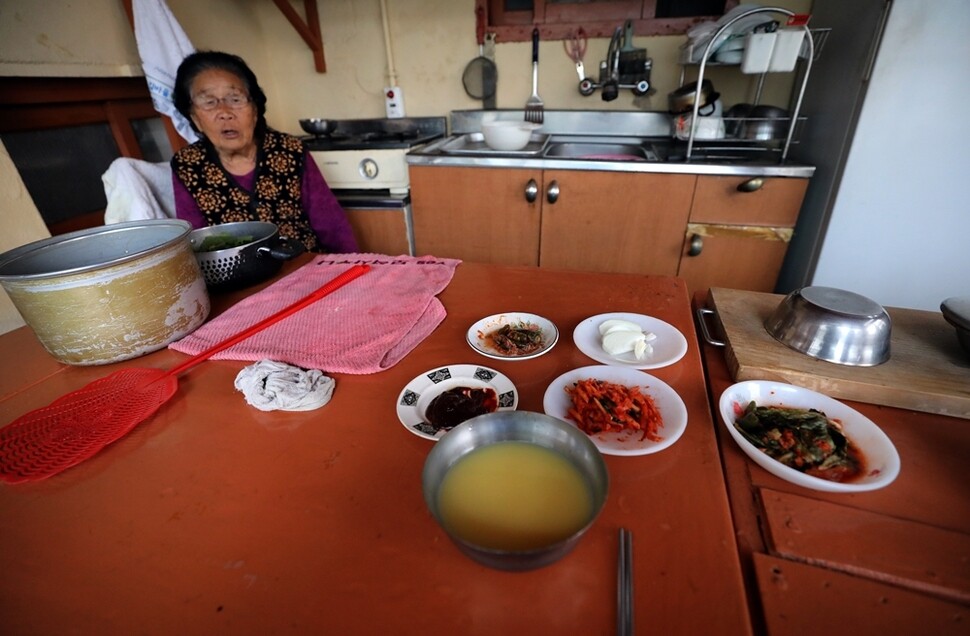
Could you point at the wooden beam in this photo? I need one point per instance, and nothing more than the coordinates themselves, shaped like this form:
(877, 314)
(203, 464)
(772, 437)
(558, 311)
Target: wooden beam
(308, 30)
(130, 12)
(119, 120)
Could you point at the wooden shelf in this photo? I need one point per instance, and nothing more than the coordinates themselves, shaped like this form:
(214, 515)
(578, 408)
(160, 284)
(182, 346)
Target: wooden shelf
(308, 29)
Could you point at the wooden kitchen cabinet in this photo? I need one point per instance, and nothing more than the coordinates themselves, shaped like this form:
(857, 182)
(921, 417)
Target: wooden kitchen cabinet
(614, 221)
(739, 231)
(582, 220)
(380, 231)
(475, 214)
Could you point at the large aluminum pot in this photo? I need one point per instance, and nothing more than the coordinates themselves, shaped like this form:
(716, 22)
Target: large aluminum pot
(108, 293)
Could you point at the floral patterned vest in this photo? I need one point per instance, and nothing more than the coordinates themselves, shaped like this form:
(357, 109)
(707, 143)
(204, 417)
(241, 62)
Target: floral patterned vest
(276, 191)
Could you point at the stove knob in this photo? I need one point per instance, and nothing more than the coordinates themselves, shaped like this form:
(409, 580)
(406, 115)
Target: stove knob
(368, 169)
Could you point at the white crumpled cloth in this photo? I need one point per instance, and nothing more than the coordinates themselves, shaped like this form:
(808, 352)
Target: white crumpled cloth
(137, 190)
(275, 386)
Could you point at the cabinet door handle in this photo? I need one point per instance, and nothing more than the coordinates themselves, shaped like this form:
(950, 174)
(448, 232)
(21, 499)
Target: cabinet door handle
(531, 191)
(696, 245)
(552, 192)
(751, 185)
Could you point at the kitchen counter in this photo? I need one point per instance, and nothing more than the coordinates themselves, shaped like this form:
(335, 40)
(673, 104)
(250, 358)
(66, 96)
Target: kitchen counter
(889, 561)
(654, 129)
(214, 517)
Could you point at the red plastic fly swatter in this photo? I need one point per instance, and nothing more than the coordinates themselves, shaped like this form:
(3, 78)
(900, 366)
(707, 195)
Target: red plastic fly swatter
(76, 426)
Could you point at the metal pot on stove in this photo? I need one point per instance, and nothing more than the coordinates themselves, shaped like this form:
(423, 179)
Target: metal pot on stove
(237, 255)
(318, 127)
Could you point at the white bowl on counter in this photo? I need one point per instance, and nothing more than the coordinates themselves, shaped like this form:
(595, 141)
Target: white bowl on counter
(508, 135)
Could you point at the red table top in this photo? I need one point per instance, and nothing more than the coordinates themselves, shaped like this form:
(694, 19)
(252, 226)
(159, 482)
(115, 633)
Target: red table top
(893, 560)
(213, 516)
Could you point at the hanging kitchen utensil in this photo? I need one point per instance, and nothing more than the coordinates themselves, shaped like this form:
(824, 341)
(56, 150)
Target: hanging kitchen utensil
(76, 426)
(575, 45)
(481, 74)
(490, 80)
(534, 107)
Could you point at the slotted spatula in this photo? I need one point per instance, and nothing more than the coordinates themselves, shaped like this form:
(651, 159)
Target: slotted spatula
(534, 107)
(76, 426)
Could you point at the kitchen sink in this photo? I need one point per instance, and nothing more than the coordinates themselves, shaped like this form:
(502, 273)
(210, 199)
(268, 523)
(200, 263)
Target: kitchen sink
(604, 151)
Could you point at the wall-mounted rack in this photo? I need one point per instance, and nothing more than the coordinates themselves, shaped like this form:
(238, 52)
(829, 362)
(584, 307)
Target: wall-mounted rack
(808, 54)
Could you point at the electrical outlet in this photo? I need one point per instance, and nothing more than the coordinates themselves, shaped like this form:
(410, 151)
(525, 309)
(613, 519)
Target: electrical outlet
(394, 102)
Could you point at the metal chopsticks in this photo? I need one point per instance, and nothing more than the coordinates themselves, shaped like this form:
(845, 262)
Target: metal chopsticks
(624, 585)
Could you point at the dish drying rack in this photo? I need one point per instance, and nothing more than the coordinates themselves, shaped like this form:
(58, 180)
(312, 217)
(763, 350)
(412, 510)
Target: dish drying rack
(813, 41)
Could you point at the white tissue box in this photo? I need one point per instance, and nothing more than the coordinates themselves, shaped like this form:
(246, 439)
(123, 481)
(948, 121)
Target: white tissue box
(788, 45)
(757, 52)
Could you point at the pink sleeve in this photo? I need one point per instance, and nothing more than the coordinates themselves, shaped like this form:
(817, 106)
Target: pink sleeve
(327, 218)
(185, 206)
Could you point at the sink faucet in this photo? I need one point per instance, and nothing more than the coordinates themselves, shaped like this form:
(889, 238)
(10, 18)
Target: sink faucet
(611, 86)
(617, 72)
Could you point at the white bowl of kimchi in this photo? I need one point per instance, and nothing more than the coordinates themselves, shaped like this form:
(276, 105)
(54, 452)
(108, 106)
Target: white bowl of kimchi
(784, 436)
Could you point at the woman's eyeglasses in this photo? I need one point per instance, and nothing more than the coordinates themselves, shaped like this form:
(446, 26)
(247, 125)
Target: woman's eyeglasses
(234, 101)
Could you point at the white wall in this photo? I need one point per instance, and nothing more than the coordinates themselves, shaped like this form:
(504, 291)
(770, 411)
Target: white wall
(432, 42)
(21, 223)
(900, 228)
(66, 38)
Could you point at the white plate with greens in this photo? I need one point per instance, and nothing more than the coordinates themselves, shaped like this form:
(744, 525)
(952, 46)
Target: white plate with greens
(879, 462)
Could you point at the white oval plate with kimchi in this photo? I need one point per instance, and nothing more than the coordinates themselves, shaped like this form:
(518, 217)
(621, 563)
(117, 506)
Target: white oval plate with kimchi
(881, 461)
(673, 411)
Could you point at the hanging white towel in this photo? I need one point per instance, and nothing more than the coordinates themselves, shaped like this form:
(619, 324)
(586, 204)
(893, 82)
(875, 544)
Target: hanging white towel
(162, 45)
(137, 190)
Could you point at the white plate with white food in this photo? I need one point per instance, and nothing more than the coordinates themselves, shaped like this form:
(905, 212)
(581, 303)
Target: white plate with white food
(416, 397)
(880, 460)
(541, 335)
(665, 344)
(556, 402)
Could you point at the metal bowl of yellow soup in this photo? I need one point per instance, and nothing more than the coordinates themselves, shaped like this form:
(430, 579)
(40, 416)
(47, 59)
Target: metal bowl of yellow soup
(515, 490)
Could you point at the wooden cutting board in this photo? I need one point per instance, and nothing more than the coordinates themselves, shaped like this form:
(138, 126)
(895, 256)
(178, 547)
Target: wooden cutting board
(927, 370)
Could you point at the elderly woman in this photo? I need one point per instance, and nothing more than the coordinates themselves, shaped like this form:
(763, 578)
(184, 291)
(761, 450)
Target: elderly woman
(242, 170)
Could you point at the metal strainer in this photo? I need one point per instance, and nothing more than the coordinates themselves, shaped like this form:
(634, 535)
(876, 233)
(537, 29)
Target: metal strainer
(247, 264)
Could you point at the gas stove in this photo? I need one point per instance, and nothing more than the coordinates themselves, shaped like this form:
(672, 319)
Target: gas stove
(369, 154)
(378, 133)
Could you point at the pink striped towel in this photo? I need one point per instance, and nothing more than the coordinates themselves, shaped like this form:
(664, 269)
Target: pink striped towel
(366, 326)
